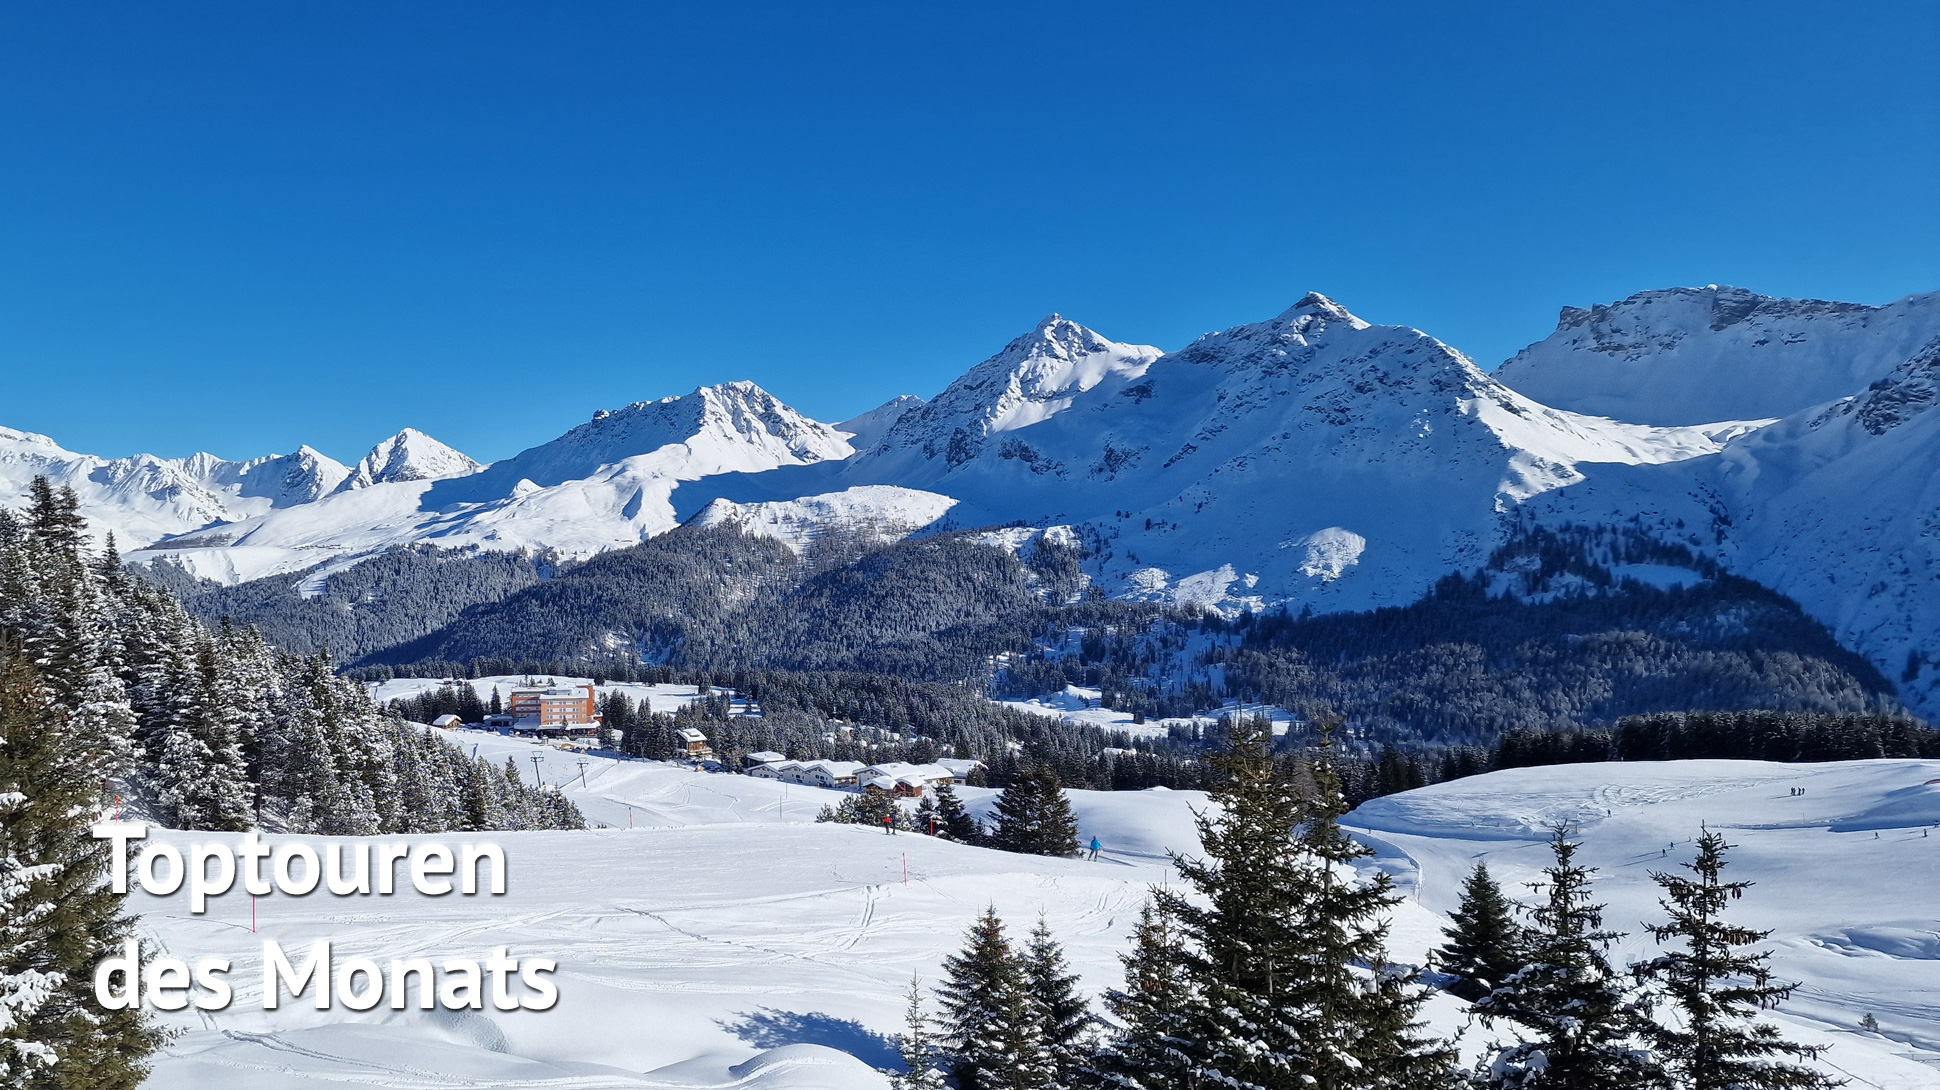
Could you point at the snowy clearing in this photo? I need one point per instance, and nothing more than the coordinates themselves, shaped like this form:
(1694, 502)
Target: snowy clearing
(727, 941)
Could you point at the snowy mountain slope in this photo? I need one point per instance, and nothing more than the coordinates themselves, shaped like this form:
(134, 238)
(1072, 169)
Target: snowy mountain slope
(768, 952)
(143, 498)
(1693, 355)
(1035, 377)
(1837, 507)
(410, 455)
(876, 514)
(868, 428)
(602, 485)
(1310, 458)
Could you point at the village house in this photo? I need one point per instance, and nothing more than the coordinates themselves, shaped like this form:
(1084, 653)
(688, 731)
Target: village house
(693, 744)
(909, 780)
(960, 767)
(839, 775)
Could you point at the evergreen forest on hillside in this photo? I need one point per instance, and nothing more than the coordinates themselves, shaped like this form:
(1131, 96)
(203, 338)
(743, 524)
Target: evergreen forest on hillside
(1551, 635)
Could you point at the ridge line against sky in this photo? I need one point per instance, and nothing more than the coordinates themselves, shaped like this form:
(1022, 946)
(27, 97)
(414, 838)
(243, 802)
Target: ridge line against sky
(242, 228)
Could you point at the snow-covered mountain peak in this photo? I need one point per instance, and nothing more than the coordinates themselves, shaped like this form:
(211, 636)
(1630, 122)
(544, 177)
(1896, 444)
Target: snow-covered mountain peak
(1032, 379)
(1312, 339)
(1671, 310)
(734, 427)
(1058, 354)
(303, 476)
(410, 455)
(14, 437)
(1695, 355)
(1313, 307)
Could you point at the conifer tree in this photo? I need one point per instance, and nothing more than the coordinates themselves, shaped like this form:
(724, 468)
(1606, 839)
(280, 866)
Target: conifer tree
(1582, 1016)
(953, 820)
(1717, 988)
(61, 919)
(1277, 998)
(1065, 1015)
(1057, 832)
(1367, 1033)
(1484, 941)
(26, 984)
(917, 1046)
(1034, 817)
(992, 1038)
(1152, 1048)
(1246, 1029)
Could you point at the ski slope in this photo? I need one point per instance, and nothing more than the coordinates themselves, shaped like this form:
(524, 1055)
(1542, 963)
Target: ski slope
(725, 940)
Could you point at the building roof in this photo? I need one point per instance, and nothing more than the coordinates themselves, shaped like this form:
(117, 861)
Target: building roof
(689, 734)
(904, 770)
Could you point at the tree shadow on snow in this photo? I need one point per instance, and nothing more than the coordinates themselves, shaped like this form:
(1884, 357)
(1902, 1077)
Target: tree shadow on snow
(770, 1028)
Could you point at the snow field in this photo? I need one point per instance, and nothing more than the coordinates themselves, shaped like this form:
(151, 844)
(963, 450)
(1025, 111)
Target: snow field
(1853, 917)
(726, 940)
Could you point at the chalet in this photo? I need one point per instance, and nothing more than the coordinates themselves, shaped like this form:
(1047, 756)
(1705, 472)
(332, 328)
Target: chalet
(693, 744)
(447, 722)
(905, 787)
(835, 774)
(904, 779)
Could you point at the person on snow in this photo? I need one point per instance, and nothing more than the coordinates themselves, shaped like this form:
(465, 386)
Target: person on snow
(889, 824)
(1094, 847)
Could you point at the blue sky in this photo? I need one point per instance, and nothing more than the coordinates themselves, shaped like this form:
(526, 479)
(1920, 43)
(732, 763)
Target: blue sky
(241, 227)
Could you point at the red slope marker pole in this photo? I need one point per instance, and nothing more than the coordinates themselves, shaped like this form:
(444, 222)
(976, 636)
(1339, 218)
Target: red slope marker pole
(905, 868)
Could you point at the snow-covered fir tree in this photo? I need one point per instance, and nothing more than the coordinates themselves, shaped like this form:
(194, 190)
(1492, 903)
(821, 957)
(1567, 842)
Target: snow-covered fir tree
(60, 917)
(993, 1029)
(1369, 1031)
(1066, 1018)
(1581, 1017)
(26, 984)
(1151, 1048)
(1484, 940)
(953, 820)
(1034, 817)
(1286, 948)
(1715, 989)
(917, 1046)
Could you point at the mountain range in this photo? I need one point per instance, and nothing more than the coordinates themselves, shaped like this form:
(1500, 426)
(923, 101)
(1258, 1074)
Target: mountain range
(1312, 460)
